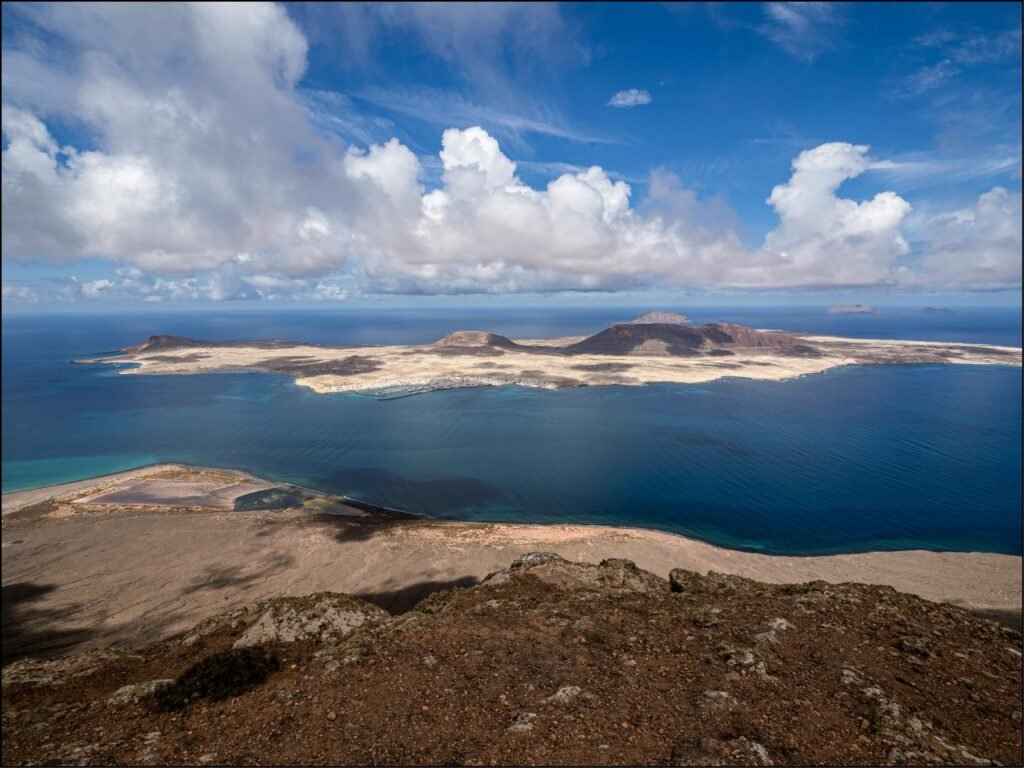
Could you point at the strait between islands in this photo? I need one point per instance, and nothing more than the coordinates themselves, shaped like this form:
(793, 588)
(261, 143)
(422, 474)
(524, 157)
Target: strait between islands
(318, 542)
(655, 347)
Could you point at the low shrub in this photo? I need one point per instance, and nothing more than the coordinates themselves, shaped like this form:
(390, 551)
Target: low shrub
(218, 676)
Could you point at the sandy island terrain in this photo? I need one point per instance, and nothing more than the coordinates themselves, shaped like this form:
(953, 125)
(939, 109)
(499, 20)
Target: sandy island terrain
(626, 354)
(80, 574)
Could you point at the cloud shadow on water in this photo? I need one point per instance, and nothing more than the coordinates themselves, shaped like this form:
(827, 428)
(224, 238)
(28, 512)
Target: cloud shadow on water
(433, 496)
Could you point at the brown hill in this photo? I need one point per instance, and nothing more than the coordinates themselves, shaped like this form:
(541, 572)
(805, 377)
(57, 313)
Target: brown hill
(475, 339)
(547, 662)
(162, 343)
(474, 343)
(680, 340)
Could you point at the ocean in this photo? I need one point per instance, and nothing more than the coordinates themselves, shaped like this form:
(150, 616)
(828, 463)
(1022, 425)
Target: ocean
(856, 459)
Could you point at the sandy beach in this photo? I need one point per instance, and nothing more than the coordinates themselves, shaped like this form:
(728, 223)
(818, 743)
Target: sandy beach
(78, 576)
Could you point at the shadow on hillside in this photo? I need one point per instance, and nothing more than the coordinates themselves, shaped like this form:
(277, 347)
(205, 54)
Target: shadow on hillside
(1011, 619)
(234, 577)
(33, 630)
(355, 529)
(404, 599)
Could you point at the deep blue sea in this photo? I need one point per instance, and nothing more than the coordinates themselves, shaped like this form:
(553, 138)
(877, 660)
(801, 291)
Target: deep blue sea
(859, 458)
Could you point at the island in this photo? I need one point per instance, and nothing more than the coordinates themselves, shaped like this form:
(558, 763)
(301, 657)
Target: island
(852, 309)
(651, 349)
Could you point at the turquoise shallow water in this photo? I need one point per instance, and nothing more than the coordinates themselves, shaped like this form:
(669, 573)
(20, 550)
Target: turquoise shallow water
(856, 459)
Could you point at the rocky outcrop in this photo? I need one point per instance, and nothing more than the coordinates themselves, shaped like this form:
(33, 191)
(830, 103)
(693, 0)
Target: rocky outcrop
(545, 662)
(323, 617)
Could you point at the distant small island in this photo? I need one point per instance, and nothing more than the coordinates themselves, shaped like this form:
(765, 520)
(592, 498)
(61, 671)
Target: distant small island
(867, 309)
(644, 351)
(852, 309)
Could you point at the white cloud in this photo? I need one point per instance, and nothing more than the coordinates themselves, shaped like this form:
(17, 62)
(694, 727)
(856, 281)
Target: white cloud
(203, 147)
(927, 169)
(498, 52)
(632, 97)
(513, 120)
(823, 239)
(978, 247)
(959, 52)
(803, 29)
(19, 293)
(95, 288)
(980, 48)
(928, 79)
(477, 40)
(485, 230)
(129, 284)
(208, 179)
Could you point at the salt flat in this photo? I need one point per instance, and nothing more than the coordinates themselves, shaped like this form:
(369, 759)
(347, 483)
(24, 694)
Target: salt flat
(175, 493)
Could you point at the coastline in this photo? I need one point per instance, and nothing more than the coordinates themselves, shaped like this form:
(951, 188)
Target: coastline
(101, 576)
(16, 500)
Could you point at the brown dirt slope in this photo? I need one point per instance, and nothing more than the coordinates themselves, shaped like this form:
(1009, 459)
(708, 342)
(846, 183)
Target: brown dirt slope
(547, 662)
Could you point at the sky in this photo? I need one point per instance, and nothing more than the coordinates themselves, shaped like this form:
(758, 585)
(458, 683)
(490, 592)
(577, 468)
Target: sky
(408, 154)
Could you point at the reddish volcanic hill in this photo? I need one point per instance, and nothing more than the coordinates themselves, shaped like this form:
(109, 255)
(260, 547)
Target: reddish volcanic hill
(475, 339)
(684, 341)
(163, 343)
(549, 662)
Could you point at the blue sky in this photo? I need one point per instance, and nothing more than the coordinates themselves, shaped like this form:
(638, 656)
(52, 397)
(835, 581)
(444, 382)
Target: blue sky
(431, 153)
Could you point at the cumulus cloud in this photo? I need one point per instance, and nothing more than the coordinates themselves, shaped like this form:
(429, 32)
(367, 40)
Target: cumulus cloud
(978, 247)
(203, 149)
(632, 97)
(823, 239)
(485, 230)
(206, 179)
(19, 293)
(129, 284)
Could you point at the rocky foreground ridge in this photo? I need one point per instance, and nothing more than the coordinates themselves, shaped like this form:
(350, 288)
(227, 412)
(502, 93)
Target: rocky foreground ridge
(547, 662)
